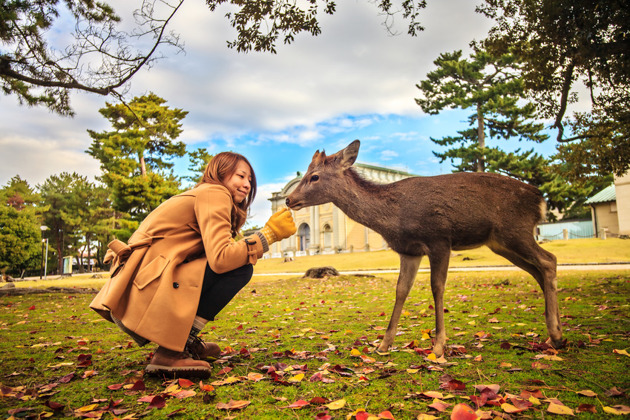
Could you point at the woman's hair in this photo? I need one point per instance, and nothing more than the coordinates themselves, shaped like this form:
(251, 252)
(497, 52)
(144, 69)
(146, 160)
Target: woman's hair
(220, 168)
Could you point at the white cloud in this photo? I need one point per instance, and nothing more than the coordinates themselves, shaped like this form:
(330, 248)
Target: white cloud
(349, 78)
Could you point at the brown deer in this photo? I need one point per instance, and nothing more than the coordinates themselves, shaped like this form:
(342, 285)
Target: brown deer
(433, 215)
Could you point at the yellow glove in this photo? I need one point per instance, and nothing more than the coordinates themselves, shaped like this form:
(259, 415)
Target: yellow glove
(279, 226)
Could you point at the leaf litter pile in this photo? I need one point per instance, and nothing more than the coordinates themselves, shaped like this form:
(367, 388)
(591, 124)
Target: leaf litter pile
(305, 348)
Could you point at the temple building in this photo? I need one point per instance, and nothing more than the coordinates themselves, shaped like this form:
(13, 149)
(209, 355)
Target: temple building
(325, 229)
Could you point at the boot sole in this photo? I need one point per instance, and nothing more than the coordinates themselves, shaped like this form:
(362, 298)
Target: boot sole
(179, 372)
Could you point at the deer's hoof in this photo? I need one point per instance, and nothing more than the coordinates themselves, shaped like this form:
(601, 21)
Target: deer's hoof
(557, 343)
(438, 349)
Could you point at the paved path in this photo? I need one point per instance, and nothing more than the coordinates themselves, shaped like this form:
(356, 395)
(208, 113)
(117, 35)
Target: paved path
(561, 267)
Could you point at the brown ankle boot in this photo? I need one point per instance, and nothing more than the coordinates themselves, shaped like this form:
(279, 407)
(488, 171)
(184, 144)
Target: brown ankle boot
(201, 350)
(177, 365)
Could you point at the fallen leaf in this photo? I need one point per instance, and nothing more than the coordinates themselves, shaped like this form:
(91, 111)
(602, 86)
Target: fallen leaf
(296, 378)
(233, 405)
(185, 383)
(586, 408)
(587, 393)
(617, 409)
(157, 402)
(298, 404)
(336, 405)
(560, 409)
(623, 352)
(463, 412)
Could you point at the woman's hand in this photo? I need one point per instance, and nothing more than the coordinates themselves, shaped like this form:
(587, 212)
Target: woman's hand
(279, 226)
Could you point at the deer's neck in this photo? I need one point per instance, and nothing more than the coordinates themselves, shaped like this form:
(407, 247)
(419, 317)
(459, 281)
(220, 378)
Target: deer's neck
(365, 202)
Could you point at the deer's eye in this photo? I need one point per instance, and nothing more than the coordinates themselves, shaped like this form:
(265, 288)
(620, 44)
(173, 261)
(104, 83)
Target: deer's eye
(315, 178)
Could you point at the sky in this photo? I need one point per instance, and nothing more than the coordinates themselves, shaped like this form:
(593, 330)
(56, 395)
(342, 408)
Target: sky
(354, 81)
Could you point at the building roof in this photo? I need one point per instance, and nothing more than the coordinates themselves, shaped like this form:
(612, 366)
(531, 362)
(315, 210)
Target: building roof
(604, 196)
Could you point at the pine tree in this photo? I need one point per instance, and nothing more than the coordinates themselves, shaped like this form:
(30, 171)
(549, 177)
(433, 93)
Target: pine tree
(136, 155)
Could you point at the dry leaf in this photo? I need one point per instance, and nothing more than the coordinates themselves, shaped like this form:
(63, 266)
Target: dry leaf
(336, 405)
(560, 409)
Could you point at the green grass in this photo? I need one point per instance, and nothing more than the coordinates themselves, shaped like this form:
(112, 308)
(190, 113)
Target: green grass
(567, 252)
(495, 326)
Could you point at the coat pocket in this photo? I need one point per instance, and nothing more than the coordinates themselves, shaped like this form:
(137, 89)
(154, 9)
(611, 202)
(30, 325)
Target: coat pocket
(150, 272)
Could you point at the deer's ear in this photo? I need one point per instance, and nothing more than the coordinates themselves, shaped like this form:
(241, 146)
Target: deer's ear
(349, 154)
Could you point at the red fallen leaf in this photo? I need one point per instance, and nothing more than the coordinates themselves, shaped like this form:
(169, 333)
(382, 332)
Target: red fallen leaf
(31, 308)
(67, 378)
(583, 408)
(453, 385)
(206, 388)
(363, 415)
(318, 400)
(525, 394)
(463, 412)
(239, 328)
(322, 416)
(233, 405)
(115, 387)
(138, 386)
(157, 402)
(224, 371)
(386, 415)
(53, 405)
(506, 346)
(184, 383)
(298, 404)
(146, 398)
(479, 400)
(520, 403)
(84, 360)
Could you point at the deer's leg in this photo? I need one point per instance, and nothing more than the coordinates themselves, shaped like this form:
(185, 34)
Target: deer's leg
(408, 271)
(439, 259)
(541, 264)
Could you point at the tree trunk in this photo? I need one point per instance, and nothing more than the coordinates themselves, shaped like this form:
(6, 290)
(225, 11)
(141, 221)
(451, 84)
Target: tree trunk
(481, 139)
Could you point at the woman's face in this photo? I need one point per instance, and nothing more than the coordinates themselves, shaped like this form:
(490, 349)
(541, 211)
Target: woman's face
(239, 183)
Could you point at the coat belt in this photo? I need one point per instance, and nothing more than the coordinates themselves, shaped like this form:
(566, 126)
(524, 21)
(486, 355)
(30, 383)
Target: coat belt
(121, 251)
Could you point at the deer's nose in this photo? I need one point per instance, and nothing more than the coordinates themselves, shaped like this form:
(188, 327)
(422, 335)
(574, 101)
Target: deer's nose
(287, 202)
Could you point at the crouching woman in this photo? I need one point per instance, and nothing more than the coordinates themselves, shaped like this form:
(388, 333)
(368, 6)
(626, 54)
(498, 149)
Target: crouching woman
(184, 264)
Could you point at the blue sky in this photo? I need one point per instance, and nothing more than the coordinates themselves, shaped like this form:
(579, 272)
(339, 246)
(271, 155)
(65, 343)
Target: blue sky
(354, 81)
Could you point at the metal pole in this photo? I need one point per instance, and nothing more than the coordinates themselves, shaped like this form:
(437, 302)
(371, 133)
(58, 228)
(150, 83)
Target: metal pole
(41, 266)
(46, 263)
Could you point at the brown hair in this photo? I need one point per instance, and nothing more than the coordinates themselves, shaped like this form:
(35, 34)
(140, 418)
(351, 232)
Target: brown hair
(218, 170)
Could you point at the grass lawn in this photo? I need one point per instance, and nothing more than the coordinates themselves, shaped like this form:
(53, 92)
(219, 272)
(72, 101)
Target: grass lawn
(304, 348)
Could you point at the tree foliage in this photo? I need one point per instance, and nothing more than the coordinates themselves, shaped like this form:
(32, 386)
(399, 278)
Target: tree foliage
(65, 198)
(99, 58)
(136, 154)
(20, 234)
(41, 69)
(491, 87)
(562, 43)
(488, 85)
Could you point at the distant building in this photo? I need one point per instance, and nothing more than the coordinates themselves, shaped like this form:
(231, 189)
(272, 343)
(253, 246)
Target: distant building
(610, 209)
(325, 229)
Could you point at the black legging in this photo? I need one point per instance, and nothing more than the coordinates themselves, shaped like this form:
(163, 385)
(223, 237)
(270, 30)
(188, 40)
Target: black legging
(219, 289)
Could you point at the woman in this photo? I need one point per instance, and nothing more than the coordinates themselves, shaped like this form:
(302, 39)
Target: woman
(183, 265)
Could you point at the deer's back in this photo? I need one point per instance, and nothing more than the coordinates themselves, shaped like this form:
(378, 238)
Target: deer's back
(467, 209)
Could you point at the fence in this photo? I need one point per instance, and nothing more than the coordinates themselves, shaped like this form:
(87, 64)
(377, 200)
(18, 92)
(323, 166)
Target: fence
(575, 229)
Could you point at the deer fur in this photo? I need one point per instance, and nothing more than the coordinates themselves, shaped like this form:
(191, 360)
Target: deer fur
(433, 215)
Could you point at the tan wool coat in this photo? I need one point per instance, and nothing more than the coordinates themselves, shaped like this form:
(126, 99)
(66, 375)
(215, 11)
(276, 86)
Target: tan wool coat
(156, 278)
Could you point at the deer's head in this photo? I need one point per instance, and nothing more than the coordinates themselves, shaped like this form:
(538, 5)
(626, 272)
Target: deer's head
(323, 178)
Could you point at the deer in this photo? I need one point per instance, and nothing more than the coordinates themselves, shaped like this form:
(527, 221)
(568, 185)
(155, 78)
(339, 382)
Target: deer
(433, 216)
